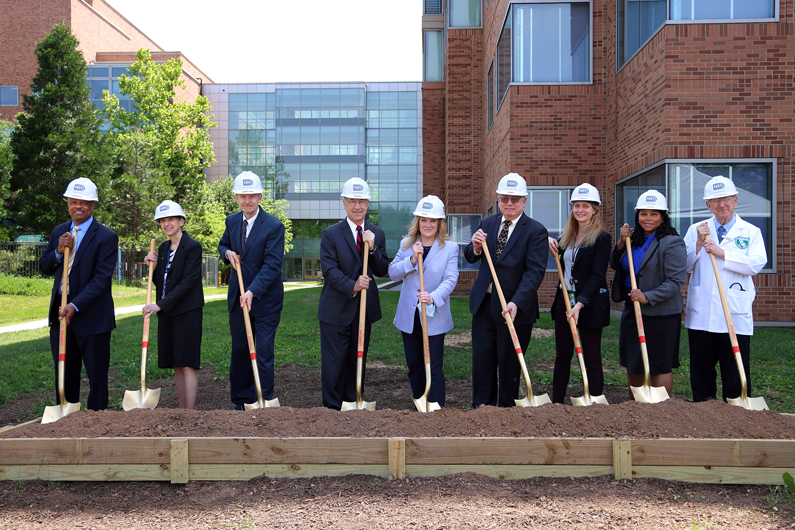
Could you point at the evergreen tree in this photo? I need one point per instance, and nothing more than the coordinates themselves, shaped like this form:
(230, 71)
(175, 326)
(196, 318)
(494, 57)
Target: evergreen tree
(58, 137)
(6, 164)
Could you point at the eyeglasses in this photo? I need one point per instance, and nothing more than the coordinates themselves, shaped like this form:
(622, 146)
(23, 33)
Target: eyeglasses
(512, 199)
(357, 202)
(724, 200)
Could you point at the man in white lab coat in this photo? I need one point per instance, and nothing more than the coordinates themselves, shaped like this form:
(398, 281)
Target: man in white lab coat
(740, 254)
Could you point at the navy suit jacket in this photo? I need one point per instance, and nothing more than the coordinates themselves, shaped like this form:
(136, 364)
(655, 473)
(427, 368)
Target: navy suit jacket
(262, 262)
(184, 281)
(520, 268)
(342, 266)
(89, 281)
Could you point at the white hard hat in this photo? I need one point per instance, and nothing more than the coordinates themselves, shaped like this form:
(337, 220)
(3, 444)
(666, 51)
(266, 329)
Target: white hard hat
(82, 189)
(169, 209)
(247, 183)
(585, 192)
(512, 184)
(718, 187)
(356, 188)
(652, 200)
(430, 207)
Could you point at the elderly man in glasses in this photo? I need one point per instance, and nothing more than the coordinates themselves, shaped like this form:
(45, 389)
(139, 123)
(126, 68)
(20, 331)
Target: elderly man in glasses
(519, 248)
(740, 254)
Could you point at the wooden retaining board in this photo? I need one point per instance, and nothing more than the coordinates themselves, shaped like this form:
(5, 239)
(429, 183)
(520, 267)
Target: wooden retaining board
(182, 459)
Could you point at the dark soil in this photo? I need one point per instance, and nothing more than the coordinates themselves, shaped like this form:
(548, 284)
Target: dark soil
(458, 501)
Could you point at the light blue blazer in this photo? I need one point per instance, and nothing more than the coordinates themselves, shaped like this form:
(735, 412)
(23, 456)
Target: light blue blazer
(440, 275)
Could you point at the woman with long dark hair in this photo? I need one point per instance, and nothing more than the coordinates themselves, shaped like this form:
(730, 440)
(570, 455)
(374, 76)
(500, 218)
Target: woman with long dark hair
(660, 258)
(584, 247)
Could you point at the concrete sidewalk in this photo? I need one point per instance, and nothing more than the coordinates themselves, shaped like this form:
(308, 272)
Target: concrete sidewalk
(36, 324)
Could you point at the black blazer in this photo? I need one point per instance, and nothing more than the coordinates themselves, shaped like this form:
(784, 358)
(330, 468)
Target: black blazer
(262, 262)
(520, 268)
(589, 279)
(89, 281)
(184, 282)
(342, 266)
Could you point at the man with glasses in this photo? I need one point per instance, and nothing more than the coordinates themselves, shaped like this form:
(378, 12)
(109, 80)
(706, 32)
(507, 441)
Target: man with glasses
(342, 248)
(518, 247)
(740, 254)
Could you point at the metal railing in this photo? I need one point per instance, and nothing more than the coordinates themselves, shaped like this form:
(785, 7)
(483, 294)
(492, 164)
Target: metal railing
(22, 259)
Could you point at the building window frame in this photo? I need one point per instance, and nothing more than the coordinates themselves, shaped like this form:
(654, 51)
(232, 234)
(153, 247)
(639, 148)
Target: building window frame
(425, 55)
(463, 265)
(669, 21)
(448, 19)
(667, 163)
(528, 210)
(9, 88)
(490, 95)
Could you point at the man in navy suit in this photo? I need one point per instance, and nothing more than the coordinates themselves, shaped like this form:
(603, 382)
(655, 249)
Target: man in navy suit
(89, 311)
(518, 247)
(255, 239)
(341, 257)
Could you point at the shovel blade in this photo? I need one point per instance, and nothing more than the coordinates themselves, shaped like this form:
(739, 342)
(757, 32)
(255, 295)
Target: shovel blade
(650, 394)
(749, 403)
(56, 412)
(264, 404)
(423, 405)
(587, 400)
(363, 405)
(146, 398)
(533, 401)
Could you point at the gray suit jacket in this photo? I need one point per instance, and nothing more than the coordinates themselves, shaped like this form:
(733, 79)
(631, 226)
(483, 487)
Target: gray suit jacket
(660, 275)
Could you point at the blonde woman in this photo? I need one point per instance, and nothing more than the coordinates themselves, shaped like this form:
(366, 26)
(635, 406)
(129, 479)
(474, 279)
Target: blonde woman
(585, 251)
(427, 237)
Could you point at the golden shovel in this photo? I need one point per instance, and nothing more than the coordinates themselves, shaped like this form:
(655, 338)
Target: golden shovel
(531, 400)
(146, 398)
(360, 404)
(56, 412)
(645, 393)
(422, 403)
(261, 403)
(757, 403)
(587, 398)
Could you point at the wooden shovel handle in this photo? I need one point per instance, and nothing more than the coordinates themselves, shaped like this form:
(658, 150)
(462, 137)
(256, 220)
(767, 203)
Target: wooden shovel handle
(507, 316)
(64, 287)
(362, 305)
(727, 314)
(246, 319)
(426, 347)
(638, 318)
(572, 325)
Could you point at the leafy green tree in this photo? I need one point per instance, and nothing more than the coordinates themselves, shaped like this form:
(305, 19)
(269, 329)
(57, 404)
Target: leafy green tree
(173, 130)
(58, 137)
(6, 164)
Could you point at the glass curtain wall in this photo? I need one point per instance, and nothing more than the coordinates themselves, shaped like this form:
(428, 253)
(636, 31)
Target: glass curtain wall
(106, 77)
(460, 228)
(722, 9)
(638, 21)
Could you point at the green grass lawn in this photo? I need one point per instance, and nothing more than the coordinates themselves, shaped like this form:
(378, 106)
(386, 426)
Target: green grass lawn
(26, 362)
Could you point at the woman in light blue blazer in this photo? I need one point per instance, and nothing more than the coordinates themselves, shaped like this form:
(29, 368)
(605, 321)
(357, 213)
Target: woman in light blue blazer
(428, 237)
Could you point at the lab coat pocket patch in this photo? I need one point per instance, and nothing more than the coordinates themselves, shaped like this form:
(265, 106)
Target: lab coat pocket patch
(739, 302)
(742, 242)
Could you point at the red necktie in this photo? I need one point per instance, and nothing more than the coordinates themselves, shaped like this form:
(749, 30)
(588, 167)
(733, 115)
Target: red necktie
(359, 240)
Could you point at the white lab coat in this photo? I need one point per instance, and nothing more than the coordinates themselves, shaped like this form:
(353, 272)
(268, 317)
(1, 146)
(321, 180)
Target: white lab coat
(745, 257)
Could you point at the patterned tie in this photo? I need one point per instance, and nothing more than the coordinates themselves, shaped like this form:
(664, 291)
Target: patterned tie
(243, 234)
(359, 240)
(71, 257)
(721, 234)
(503, 237)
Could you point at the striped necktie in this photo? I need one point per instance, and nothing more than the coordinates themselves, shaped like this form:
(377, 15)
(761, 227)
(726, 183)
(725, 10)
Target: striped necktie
(71, 257)
(359, 240)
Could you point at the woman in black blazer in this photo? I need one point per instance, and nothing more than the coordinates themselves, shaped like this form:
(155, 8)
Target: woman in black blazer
(180, 298)
(585, 250)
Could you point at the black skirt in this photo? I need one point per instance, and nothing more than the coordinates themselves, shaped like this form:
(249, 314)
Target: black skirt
(662, 341)
(179, 339)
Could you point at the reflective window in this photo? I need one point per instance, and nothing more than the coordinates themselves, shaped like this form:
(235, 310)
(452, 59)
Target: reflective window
(504, 58)
(465, 13)
(432, 7)
(722, 9)
(551, 208)
(434, 56)
(461, 228)
(9, 96)
(490, 96)
(551, 43)
(638, 21)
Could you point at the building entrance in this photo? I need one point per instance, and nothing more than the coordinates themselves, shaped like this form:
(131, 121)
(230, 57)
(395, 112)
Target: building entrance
(312, 269)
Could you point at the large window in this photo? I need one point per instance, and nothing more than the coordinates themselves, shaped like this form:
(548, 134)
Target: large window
(682, 182)
(465, 13)
(9, 96)
(460, 228)
(550, 207)
(722, 9)
(434, 56)
(551, 43)
(490, 97)
(504, 58)
(638, 21)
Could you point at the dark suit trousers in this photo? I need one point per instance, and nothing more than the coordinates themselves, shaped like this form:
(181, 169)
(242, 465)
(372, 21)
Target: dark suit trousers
(708, 349)
(241, 375)
(338, 346)
(591, 340)
(94, 352)
(492, 348)
(415, 360)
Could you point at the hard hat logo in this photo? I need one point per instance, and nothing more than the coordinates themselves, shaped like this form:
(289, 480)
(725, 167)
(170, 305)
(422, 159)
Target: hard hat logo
(79, 187)
(718, 186)
(512, 183)
(358, 187)
(248, 182)
(427, 206)
(651, 198)
(164, 208)
(583, 191)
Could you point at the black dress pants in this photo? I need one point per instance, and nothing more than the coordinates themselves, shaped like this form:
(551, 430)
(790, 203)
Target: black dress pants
(708, 349)
(94, 352)
(415, 360)
(591, 340)
(338, 345)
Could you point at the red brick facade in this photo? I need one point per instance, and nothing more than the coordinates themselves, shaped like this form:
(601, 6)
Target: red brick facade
(97, 26)
(694, 91)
